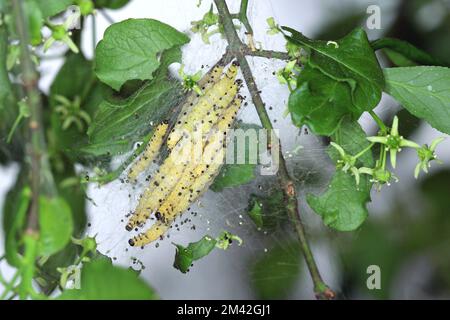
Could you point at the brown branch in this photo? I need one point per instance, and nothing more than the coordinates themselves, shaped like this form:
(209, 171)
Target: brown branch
(239, 50)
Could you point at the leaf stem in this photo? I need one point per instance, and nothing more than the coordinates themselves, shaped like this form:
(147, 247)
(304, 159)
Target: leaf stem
(237, 48)
(107, 16)
(406, 49)
(13, 128)
(242, 16)
(379, 122)
(269, 54)
(364, 150)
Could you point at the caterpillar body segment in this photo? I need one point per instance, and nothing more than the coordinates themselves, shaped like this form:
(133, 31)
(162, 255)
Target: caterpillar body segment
(150, 153)
(210, 118)
(178, 202)
(160, 186)
(228, 117)
(209, 106)
(155, 232)
(154, 195)
(218, 97)
(206, 83)
(159, 228)
(194, 181)
(212, 156)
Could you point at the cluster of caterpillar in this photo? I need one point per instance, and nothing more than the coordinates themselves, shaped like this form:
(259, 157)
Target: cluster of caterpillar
(181, 178)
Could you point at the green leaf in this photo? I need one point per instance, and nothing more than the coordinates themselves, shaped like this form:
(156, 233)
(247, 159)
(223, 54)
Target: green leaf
(423, 91)
(119, 124)
(100, 280)
(266, 211)
(406, 50)
(75, 77)
(5, 84)
(28, 264)
(73, 192)
(130, 50)
(352, 138)
(255, 211)
(35, 19)
(320, 102)
(275, 274)
(185, 256)
(8, 107)
(50, 8)
(398, 59)
(350, 60)
(343, 205)
(235, 174)
(14, 218)
(55, 225)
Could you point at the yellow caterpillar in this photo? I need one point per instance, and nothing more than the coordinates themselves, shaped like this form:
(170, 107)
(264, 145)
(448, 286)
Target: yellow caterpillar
(206, 83)
(194, 181)
(150, 153)
(167, 175)
(160, 186)
(219, 96)
(170, 173)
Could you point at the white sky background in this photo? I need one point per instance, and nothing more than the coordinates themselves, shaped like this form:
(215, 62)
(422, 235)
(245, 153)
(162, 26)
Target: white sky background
(222, 274)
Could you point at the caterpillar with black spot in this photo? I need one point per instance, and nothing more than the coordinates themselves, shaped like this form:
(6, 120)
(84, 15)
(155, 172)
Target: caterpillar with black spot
(160, 186)
(206, 83)
(157, 139)
(194, 181)
(218, 96)
(150, 153)
(170, 171)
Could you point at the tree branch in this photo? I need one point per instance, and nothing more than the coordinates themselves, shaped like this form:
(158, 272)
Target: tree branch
(239, 50)
(41, 178)
(269, 54)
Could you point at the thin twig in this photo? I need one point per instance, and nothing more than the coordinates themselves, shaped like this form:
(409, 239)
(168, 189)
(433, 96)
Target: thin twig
(238, 49)
(94, 33)
(269, 54)
(242, 15)
(107, 16)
